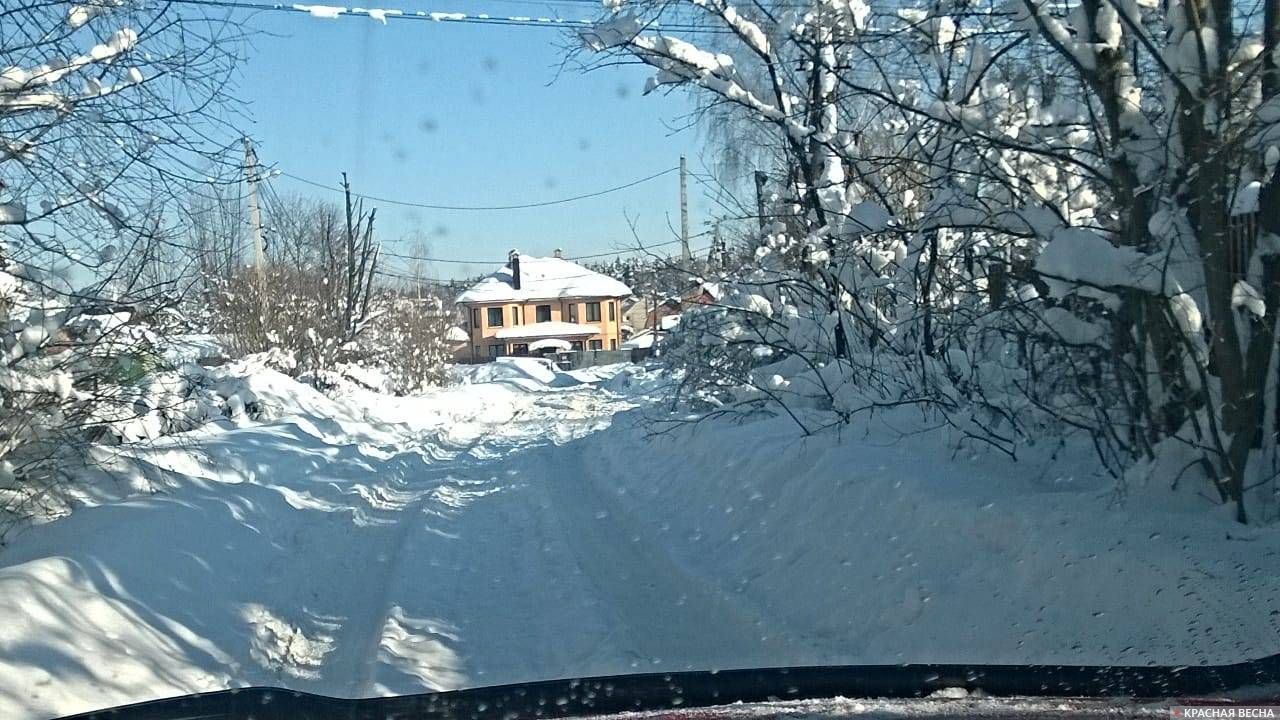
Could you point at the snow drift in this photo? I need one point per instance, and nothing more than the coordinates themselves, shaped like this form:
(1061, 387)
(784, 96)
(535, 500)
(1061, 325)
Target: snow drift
(508, 529)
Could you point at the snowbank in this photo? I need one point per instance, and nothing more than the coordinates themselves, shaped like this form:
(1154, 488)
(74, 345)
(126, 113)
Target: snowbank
(280, 547)
(351, 543)
(528, 373)
(192, 348)
(877, 548)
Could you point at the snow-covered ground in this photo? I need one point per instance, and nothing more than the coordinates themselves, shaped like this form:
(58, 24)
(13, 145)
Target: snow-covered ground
(522, 525)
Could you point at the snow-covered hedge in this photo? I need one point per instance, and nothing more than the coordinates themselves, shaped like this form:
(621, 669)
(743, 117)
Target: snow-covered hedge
(778, 341)
(400, 346)
(71, 378)
(1056, 218)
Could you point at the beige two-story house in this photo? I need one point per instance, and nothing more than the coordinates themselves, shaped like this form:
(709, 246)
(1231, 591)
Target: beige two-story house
(541, 305)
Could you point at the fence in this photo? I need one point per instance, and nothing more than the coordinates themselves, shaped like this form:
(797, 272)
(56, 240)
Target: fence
(592, 358)
(1242, 239)
(579, 358)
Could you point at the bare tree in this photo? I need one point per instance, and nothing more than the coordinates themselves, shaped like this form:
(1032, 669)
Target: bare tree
(321, 302)
(107, 109)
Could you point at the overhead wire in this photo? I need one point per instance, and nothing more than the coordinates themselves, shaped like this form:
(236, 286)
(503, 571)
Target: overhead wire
(483, 208)
(592, 256)
(272, 201)
(329, 12)
(406, 274)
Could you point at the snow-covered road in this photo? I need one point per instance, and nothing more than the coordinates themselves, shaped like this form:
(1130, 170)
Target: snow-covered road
(359, 556)
(356, 544)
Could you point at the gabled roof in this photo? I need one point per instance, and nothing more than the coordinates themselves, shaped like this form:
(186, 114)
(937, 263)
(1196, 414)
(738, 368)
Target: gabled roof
(544, 278)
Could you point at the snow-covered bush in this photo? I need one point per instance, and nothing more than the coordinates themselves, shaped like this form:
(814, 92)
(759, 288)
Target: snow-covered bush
(399, 347)
(409, 342)
(1055, 218)
(105, 108)
(320, 300)
(72, 378)
(772, 342)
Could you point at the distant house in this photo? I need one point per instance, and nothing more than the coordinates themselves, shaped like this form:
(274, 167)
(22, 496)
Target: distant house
(642, 313)
(635, 312)
(541, 305)
(646, 338)
(459, 342)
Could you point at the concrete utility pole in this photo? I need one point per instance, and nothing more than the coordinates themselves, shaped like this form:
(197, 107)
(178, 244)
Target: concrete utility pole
(685, 257)
(255, 215)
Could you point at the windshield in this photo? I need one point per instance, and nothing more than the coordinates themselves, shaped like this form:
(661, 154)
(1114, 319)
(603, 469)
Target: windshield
(369, 352)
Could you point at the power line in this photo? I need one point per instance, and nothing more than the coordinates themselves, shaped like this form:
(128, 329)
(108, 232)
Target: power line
(521, 206)
(457, 261)
(642, 248)
(270, 192)
(408, 274)
(545, 3)
(385, 14)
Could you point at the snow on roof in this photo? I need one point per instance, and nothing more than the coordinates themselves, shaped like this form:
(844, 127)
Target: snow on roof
(547, 329)
(544, 278)
(457, 334)
(550, 343)
(642, 339)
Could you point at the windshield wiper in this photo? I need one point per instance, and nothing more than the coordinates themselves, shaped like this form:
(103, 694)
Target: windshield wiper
(1256, 679)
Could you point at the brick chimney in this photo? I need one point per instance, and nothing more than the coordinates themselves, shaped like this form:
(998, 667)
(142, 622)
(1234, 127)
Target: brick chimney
(513, 260)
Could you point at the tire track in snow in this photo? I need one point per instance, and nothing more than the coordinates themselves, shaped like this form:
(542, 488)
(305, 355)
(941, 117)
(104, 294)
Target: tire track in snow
(359, 642)
(669, 618)
(546, 578)
(495, 598)
(364, 631)
(425, 576)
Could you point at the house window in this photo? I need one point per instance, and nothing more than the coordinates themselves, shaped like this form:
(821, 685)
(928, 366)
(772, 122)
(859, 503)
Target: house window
(495, 351)
(475, 319)
(597, 344)
(613, 344)
(477, 352)
(593, 312)
(495, 317)
(612, 312)
(575, 345)
(544, 313)
(515, 315)
(520, 349)
(573, 312)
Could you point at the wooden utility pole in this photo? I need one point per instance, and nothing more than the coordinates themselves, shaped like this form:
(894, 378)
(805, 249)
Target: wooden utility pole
(656, 322)
(761, 179)
(715, 259)
(685, 257)
(255, 215)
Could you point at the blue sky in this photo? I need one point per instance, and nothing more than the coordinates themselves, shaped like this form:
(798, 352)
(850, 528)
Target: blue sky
(447, 113)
